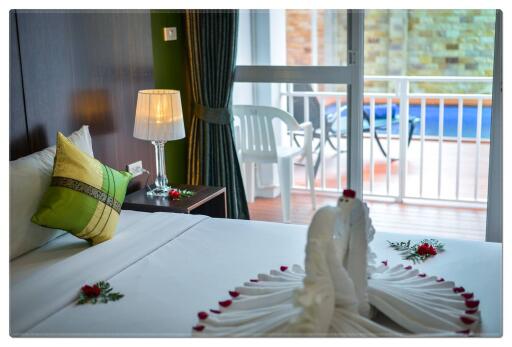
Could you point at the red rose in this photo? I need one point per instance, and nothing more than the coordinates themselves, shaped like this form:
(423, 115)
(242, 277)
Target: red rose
(426, 249)
(174, 194)
(423, 249)
(349, 193)
(91, 291)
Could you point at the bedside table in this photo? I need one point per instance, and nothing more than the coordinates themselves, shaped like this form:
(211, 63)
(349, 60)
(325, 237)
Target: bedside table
(209, 201)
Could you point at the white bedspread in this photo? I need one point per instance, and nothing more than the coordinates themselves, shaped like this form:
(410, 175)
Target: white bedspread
(172, 266)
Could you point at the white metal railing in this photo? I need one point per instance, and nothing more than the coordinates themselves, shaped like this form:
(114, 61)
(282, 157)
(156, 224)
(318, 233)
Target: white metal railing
(402, 96)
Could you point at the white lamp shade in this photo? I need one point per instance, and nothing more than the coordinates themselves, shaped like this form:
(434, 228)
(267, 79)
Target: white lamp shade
(159, 116)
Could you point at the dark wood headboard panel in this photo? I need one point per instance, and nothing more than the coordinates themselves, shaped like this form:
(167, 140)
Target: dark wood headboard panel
(70, 68)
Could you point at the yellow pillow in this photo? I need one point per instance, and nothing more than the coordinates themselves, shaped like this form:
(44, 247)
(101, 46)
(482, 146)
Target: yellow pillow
(84, 197)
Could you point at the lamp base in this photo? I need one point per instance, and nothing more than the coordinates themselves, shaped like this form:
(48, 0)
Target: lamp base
(159, 191)
(161, 187)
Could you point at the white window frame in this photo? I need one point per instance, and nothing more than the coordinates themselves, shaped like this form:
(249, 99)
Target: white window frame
(494, 228)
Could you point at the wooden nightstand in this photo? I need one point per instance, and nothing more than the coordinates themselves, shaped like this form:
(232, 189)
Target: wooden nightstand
(209, 201)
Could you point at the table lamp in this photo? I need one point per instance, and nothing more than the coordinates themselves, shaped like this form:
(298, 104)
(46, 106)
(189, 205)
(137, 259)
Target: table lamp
(159, 118)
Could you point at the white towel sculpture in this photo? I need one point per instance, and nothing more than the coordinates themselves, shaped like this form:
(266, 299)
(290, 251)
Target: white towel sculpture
(341, 289)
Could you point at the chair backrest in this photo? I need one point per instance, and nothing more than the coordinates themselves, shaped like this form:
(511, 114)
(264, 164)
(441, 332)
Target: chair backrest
(257, 138)
(298, 105)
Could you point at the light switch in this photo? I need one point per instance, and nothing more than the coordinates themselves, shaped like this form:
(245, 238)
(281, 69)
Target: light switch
(170, 34)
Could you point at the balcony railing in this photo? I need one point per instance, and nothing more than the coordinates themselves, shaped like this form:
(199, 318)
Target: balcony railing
(389, 119)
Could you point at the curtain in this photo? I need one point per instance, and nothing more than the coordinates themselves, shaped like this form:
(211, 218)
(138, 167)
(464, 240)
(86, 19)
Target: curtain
(211, 42)
(494, 231)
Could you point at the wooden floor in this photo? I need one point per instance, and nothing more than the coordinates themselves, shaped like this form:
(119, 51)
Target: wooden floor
(461, 223)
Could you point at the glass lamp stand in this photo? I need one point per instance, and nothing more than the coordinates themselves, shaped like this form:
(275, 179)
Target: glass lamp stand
(161, 184)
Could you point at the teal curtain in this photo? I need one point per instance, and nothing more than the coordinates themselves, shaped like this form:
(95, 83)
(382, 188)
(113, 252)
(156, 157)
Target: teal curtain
(211, 42)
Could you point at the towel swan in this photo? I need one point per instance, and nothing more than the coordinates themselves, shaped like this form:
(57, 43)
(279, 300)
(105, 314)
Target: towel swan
(340, 289)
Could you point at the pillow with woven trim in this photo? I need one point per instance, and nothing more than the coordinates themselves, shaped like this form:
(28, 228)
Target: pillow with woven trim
(29, 177)
(84, 196)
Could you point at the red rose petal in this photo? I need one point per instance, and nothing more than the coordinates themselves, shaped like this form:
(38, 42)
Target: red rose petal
(284, 268)
(467, 295)
(215, 311)
(349, 193)
(202, 315)
(198, 328)
(467, 320)
(422, 275)
(465, 332)
(472, 303)
(385, 262)
(225, 303)
(254, 280)
(471, 311)
(408, 267)
(234, 293)
(440, 280)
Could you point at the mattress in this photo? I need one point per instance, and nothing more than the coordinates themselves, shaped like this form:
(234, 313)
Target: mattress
(171, 266)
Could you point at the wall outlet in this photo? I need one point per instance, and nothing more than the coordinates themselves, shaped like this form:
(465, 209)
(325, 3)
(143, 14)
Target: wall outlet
(170, 34)
(136, 168)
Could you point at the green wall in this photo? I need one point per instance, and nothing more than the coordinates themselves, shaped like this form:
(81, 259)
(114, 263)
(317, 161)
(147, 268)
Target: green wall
(170, 72)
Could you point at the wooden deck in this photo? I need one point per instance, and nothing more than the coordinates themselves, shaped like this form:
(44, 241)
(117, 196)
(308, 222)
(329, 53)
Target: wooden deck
(462, 223)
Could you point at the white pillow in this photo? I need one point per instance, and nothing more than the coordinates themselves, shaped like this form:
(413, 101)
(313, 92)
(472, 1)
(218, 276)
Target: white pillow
(29, 178)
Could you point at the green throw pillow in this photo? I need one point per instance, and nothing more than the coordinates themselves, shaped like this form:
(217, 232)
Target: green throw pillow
(84, 197)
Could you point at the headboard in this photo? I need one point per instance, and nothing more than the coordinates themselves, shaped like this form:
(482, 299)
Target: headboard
(69, 68)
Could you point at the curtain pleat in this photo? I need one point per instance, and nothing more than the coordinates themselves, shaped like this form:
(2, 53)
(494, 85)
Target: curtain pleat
(211, 42)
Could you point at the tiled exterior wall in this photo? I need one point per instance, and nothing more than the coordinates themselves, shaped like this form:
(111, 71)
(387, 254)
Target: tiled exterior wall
(451, 43)
(414, 42)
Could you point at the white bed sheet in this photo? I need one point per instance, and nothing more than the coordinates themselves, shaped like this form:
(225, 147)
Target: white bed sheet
(42, 291)
(192, 269)
(63, 247)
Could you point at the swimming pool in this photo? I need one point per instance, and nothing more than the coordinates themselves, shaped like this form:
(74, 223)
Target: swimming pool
(469, 119)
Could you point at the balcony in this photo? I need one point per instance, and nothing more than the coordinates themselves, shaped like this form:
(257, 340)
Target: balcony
(425, 155)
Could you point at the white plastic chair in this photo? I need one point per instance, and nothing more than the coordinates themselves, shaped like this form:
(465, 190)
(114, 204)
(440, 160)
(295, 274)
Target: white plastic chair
(257, 144)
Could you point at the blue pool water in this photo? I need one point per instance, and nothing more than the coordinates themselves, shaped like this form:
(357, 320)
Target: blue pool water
(432, 119)
(450, 120)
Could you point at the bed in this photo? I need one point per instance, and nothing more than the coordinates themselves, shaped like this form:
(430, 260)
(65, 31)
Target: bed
(171, 266)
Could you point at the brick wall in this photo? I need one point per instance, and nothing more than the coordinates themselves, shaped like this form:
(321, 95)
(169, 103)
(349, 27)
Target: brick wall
(413, 42)
(298, 37)
(451, 43)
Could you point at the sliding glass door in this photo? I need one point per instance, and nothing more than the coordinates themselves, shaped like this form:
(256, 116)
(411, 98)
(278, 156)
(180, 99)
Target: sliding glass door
(277, 67)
